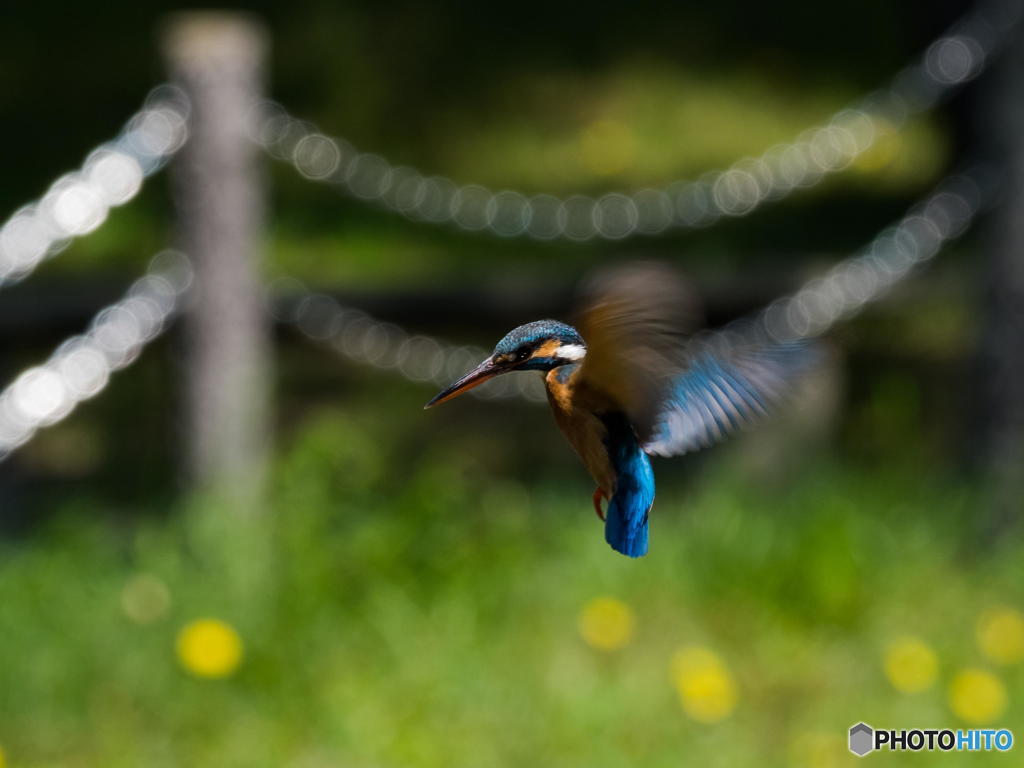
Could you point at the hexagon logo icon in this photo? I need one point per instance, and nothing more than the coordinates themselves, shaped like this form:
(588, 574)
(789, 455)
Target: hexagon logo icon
(862, 739)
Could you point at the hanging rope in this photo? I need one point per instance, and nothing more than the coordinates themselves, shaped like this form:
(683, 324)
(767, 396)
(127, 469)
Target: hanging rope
(813, 309)
(80, 368)
(78, 202)
(953, 59)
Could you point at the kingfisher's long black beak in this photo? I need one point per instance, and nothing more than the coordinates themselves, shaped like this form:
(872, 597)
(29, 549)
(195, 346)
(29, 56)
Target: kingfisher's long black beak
(488, 369)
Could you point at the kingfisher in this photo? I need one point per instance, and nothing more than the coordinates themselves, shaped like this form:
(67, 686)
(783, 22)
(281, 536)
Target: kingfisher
(630, 382)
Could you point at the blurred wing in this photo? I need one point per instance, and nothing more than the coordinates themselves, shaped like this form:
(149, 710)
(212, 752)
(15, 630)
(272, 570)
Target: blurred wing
(725, 388)
(633, 320)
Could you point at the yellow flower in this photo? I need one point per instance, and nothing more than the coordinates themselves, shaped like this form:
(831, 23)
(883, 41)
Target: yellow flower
(706, 689)
(3, 759)
(910, 665)
(1000, 634)
(606, 624)
(145, 599)
(977, 696)
(209, 648)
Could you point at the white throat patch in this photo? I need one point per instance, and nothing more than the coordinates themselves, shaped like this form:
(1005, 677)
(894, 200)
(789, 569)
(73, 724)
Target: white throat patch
(571, 352)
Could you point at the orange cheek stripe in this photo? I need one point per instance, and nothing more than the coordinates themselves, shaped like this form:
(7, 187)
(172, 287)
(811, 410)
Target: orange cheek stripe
(547, 349)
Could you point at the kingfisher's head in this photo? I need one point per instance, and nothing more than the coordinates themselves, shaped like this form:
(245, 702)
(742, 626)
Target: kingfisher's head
(537, 346)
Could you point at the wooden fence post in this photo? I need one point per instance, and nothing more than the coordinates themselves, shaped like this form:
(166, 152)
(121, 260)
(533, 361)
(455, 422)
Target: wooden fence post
(218, 59)
(998, 439)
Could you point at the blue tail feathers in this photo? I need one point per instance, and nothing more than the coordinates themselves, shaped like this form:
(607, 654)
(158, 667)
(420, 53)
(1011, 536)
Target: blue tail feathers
(624, 529)
(626, 525)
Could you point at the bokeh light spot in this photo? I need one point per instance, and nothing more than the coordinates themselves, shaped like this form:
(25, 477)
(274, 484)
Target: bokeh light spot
(910, 664)
(145, 599)
(209, 648)
(1000, 634)
(951, 60)
(977, 696)
(316, 156)
(706, 688)
(606, 623)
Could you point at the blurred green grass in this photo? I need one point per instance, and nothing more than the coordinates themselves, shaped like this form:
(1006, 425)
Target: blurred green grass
(403, 606)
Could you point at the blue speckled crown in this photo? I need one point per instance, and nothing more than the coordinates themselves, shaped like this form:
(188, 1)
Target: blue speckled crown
(535, 332)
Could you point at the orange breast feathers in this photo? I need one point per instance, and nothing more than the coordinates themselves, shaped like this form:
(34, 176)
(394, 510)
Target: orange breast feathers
(576, 410)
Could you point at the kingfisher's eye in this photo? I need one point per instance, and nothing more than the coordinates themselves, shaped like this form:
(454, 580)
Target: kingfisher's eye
(522, 354)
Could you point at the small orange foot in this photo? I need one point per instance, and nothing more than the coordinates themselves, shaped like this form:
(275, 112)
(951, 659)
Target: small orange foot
(598, 495)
